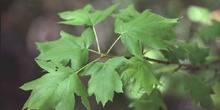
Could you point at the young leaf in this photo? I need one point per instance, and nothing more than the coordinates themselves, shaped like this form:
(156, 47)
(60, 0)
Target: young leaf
(199, 91)
(68, 47)
(55, 90)
(148, 28)
(153, 101)
(104, 79)
(139, 76)
(86, 16)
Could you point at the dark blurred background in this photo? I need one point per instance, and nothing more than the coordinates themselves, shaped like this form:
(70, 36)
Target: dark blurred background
(24, 22)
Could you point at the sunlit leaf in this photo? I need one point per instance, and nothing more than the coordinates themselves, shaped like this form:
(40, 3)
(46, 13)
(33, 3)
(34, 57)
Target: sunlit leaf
(87, 16)
(104, 79)
(198, 14)
(55, 90)
(68, 47)
(127, 14)
(146, 28)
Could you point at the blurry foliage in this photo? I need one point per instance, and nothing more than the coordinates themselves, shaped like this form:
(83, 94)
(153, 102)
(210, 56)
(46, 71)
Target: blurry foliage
(210, 32)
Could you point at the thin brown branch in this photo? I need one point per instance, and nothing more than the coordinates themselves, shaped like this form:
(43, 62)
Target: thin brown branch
(189, 67)
(176, 69)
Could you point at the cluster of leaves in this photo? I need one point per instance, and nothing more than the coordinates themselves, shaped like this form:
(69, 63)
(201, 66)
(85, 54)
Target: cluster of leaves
(66, 60)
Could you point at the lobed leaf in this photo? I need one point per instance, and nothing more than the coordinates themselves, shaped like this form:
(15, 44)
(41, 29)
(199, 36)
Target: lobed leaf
(153, 101)
(194, 57)
(104, 79)
(184, 51)
(139, 76)
(55, 90)
(68, 47)
(146, 28)
(87, 16)
(127, 14)
(210, 32)
(199, 91)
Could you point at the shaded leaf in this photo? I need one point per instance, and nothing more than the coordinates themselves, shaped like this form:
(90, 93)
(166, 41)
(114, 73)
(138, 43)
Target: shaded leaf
(68, 47)
(199, 91)
(193, 55)
(175, 53)
(184, 51)
(210, 32)
(153, 101)
(139, 76)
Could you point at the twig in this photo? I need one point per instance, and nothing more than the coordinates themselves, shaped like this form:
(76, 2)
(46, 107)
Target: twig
(189, 67)
(113, 45)
(96, 38)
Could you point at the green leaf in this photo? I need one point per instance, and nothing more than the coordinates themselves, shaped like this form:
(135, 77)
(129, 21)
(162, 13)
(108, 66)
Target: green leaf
(87, 16)
(153, 101)
(184, 51)
(105, 79)
(51, 67)
(139, 76)
(193, 55)
(175, 53)
(78, 17)
(55, 90)
(210, 32)
(133, 46)
(99, 16)
(199, 91)
(88, 36)
(127, 14)
(117, 62)
(198, 14)
(68, 47)
(148, 28)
